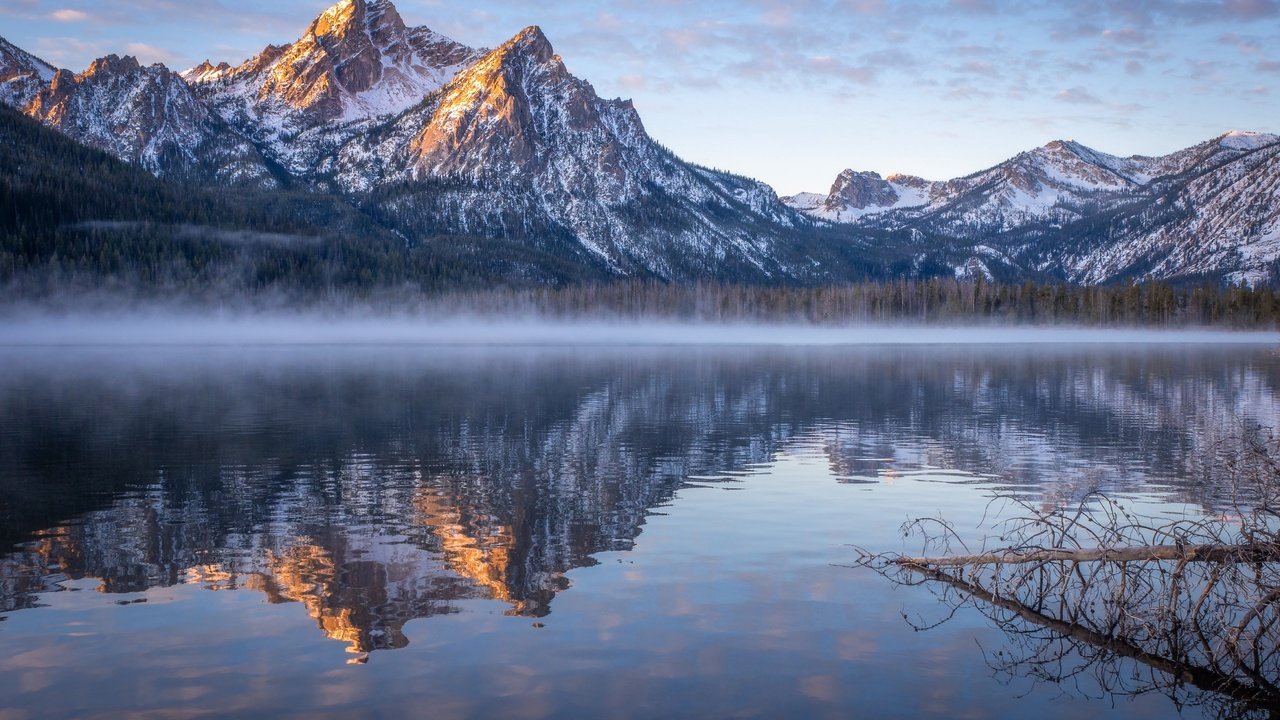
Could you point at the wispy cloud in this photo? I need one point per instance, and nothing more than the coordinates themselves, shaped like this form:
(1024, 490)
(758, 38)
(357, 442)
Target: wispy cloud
(1077, 96)
(69, 15)
(147, 53)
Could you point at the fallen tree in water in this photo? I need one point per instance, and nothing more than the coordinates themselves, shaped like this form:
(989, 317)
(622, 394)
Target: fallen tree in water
(1269, 552)
(1096, 597)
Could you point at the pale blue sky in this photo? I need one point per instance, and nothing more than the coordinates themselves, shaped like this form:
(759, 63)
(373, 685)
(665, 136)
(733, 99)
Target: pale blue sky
(794, 91)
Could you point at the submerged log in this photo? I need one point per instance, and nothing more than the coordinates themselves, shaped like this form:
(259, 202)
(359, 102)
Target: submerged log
(1262, 696)
(1254, 553)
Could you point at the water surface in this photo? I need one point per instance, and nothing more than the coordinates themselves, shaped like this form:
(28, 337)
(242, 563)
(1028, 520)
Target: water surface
(524, 533)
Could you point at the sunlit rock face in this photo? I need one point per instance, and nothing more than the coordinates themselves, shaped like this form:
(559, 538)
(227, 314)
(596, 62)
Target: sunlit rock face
(861, 190)
(355, 62)
(517, 144)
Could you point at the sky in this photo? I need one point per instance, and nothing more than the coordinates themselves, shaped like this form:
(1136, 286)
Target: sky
(794, 91)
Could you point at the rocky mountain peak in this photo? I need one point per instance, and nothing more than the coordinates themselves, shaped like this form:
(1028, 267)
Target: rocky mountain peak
(349, 17)
(61, 80)
(112, 65)
(206, 72)
(862, 189)
(356, 61)
(531, 42)
(911, 181)
(148, 116)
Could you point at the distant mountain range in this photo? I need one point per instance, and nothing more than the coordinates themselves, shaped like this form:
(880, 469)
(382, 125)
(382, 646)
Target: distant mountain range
(427, 137)
(1067, 210)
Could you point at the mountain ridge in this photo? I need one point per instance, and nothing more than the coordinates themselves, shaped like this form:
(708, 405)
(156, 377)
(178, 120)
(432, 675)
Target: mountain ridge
(1030, 211)
(429, 137)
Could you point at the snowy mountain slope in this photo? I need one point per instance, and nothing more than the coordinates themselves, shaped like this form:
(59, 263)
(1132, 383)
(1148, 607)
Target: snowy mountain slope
(1065, 210)
(517, 136)
(1222, 220)
(856, 194)
(1057, 182)
(144, 115)
(356, 62)
(22, 75)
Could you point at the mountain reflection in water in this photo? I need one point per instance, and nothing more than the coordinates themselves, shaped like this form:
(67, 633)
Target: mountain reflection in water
(375, 487)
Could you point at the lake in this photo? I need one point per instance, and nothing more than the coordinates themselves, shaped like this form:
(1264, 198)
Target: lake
(595, 532)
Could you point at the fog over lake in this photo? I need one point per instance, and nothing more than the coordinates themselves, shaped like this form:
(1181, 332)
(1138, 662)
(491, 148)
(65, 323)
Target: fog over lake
(314, 518)
(236, 328)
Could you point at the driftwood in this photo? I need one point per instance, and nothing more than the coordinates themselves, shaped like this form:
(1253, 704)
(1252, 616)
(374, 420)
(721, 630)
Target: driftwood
(1098, 599)
(1258, 695)
(1183, 553)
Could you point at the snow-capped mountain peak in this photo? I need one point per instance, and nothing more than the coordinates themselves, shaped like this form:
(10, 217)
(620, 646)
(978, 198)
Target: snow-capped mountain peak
(355, 62)
(432, 138)
(206, 72)
(1247, 140)
(517, 145)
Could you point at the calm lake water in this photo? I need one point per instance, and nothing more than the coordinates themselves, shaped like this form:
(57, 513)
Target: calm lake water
(524, 533)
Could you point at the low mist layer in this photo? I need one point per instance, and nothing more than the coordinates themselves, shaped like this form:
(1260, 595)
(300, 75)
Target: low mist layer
(304, 329)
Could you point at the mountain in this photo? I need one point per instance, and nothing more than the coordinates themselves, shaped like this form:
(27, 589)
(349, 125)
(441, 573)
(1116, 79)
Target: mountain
(148, 116)
(515, 144)
(856, 194)
(1069, 212)
(356, 62)
(434, 137)
(77, 220)
(430, 138)
(425, 139)
(22, 75)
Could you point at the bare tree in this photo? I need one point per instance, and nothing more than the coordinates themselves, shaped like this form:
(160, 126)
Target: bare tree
(1100, 599)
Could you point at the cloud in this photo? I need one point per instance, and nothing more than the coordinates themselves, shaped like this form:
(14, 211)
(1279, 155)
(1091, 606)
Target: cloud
(1268, 66)
(1077, 96)
(1251, 9)
(979, 67)
(148, 54)
(1205, 70)
(1246, 45)
(1152, 13)
(865, 7)
(633, 82)
(1126, 36)
(19, 7)
(70, 52)
(889, 58)
(68, 15)
(979, 7)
